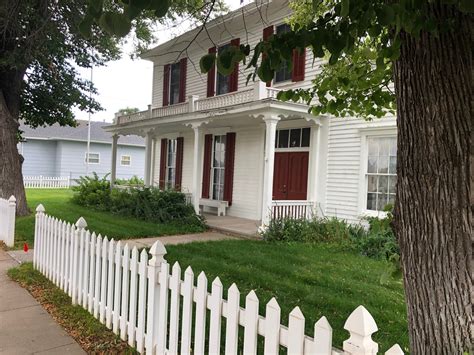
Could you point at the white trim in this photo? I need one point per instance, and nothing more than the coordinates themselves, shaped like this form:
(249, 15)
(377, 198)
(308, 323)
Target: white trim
(372, 132)
(130, 160)
(88, 161)
(299, 149)
(80, 140)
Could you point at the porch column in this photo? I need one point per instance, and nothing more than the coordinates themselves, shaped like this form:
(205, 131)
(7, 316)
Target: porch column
(113, 171)
(197, 162)
(148, 155)
(270, 132)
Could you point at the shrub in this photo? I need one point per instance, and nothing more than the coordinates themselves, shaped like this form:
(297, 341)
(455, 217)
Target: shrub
(377, 241)
(133, 181)
(92, 191)
(151, 204)
(314, 230)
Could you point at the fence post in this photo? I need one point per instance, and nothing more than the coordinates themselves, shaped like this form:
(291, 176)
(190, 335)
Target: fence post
(158, 252)
(10, 237)
(81, 225)
(38, 241)
(361, 325)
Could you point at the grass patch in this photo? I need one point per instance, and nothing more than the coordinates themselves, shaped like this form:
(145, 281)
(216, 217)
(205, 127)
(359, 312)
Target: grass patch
(322, 279)
(93, 336)
(57, 202)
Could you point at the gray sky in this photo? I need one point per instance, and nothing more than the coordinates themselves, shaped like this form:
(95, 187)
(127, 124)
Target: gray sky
(127, 82)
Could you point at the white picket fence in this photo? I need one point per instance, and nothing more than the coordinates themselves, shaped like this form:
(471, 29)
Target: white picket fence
(151, 306)
(47, 182)
(7, 220)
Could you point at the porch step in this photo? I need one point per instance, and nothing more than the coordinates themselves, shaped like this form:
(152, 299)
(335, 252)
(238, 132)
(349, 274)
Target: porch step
(235, 226)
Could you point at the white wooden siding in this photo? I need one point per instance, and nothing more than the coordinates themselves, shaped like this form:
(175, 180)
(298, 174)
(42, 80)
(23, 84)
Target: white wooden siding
(343, 169)
(196, 83)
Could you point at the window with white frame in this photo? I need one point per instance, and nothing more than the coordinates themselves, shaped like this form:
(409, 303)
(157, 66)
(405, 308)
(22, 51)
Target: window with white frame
(175, 83)
(94, 158)
(222, 81)
(171, 163)
(381, 174)
(125, 160)
(218, 167)
(284, 73)
(293, 138)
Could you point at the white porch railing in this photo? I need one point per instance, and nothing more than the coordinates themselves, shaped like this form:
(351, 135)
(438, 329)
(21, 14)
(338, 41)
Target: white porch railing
(47, 182)
(297, 209)
(7, 220)
(254, 93)
(152, 306)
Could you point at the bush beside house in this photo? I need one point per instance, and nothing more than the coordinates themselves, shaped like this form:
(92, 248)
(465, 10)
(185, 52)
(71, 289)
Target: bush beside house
(150, 204)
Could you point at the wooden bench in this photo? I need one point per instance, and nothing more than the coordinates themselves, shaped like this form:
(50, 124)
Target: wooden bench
(220, 205)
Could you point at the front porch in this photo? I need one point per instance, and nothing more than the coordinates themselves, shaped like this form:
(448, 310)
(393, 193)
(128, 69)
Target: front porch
(232, 152)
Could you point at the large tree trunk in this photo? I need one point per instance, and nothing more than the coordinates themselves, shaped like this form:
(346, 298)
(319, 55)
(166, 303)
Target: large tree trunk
(433, 215)
(11, 178)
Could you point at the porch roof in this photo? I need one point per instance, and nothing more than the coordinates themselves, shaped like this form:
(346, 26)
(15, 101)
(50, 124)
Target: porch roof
(249, 113)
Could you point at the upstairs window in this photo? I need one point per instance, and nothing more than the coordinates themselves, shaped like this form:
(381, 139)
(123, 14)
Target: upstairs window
(174, 82)
(381, 173)
(222, 81)
(284, 74)
(218, 84)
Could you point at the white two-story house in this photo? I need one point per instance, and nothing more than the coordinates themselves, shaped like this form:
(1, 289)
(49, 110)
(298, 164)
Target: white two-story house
(236, 147)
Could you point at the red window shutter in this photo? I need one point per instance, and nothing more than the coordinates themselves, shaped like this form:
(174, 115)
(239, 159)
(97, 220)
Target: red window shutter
(179, 163)
(206, 166)
(163, 155)
(229, 167)
(211, 77)
(166, 85)
(234, 76)
(183, 65)
(267, 32)
(299, 64)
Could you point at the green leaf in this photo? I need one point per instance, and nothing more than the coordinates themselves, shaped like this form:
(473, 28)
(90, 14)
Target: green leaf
(95, 8)
(207, 62)
(386, 15)
(264, 72)
(345, 6)
(115, 23)
(85, 26)
(316, 4)
(161, 7)
(131, 11)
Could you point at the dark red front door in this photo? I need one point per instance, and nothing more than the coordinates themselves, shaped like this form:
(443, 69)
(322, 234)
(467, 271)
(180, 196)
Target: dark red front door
(290, 177)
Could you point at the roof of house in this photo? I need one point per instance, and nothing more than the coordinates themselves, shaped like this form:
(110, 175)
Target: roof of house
(253, 6)
(78, 133)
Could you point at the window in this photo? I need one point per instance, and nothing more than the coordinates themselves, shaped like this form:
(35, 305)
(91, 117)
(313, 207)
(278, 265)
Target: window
(381, 172)
(171, 164)
(284, 74)
(125, 160)
(292, 138)
(174, 83)
(222, 81)
(218, 167)
(94, 158)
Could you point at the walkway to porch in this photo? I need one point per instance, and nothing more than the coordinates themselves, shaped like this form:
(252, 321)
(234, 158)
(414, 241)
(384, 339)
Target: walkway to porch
(233, 225)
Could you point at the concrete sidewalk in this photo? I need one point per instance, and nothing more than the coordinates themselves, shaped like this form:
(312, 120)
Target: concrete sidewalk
(25, 326)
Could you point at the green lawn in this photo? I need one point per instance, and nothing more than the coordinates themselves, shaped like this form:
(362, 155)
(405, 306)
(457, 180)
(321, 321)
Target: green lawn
(57, 202)
(320, 278)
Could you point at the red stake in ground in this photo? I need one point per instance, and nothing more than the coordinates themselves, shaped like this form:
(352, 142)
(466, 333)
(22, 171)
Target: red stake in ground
(25, 247)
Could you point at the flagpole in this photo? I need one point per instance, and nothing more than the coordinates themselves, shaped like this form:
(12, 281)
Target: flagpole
(89, 126)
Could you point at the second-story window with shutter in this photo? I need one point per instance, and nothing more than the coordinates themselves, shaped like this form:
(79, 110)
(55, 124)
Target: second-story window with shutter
(174, 82)
(284, 74)
(222, 81)
(218, 84)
